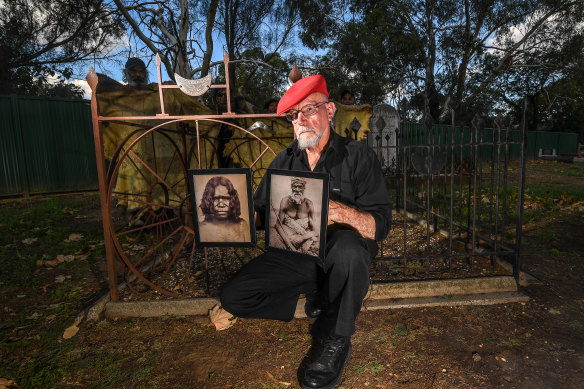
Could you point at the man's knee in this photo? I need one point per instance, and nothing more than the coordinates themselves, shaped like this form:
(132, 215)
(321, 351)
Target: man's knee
(348, 250)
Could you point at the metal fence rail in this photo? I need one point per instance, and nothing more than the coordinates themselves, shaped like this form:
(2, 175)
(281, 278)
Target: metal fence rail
(457, 193)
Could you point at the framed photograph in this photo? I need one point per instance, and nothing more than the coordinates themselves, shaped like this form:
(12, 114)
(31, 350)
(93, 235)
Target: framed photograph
(296, 212)
(222, 207)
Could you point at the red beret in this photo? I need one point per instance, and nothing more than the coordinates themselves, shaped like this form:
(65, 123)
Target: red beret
(301, 90)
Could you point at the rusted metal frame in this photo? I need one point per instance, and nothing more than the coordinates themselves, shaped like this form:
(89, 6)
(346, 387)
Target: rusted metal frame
(161, 86)
(176, 118)
(163, 241)
(133, 269)
(176, 152)
(128, 194)
(101, 176)
(260, 156)
(198, 143)
(175, 253)
(157, 225)
(141, 126)
(167, 185)
(145, 227)
(154, 152)
(129, 150)
(111, 246)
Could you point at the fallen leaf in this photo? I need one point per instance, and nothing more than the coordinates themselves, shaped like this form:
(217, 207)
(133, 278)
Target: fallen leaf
(554, 311)
(82, 256)
(277, 381)
(66, 258)
(51, 263)
(61, 278)
(5, 383)
(70, 331)
(29, 240)
(198, 273)
(221, 319)
(75, 237)
(34, 316)
(51, 317)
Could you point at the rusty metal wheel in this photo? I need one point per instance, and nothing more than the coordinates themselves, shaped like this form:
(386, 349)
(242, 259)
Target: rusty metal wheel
(150, 208)
(150, 216)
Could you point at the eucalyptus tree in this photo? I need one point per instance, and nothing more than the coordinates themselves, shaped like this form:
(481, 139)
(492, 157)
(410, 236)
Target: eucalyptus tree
(423, 47)
(43, 38)
(184, 32)
(550, 55)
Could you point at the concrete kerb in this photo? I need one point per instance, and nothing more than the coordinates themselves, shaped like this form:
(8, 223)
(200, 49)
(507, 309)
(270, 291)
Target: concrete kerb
(473, 291)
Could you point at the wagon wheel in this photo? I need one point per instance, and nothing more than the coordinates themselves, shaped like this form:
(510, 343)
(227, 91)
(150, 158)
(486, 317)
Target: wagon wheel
(150, 215)
(150, 209)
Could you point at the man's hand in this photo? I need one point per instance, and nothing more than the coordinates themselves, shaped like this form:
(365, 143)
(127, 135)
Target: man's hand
(362, 222)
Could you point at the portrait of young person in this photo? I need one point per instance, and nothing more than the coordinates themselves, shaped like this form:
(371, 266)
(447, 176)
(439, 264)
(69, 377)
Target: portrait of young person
(359, 213)
(222, 207)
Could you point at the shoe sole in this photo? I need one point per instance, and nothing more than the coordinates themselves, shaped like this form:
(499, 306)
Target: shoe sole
(336, 380)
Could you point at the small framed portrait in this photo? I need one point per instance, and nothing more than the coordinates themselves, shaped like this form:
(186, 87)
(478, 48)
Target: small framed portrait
(222, 207)
(297, 212)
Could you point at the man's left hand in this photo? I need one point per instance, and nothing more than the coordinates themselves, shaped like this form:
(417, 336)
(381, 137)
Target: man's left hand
(362, 222)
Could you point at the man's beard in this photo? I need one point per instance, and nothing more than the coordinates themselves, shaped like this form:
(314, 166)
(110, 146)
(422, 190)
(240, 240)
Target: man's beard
(297, 197)
(308, 143)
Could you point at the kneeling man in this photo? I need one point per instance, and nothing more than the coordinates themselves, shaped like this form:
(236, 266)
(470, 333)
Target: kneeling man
(360, 211)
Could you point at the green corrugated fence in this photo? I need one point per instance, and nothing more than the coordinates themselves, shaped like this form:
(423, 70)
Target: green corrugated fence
(563, 142)
(47, 146)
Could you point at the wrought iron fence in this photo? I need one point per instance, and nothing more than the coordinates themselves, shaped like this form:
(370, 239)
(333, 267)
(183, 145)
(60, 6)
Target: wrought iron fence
(457, 192)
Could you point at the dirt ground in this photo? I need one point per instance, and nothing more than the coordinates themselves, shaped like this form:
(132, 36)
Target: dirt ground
(537, 344)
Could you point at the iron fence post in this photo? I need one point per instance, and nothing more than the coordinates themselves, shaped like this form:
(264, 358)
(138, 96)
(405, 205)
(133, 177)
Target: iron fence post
(521, 194)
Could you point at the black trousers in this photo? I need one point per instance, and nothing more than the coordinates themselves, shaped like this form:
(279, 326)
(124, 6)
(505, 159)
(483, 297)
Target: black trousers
(268, 286)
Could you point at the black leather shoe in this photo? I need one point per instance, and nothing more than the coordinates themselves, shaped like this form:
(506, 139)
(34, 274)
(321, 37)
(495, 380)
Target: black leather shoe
(325, 372)
(311, 307)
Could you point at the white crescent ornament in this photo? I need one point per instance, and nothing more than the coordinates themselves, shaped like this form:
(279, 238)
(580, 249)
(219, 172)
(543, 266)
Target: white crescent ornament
(193, 87)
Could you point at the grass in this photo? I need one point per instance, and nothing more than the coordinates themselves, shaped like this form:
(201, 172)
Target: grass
(46, 223)
(562, 169)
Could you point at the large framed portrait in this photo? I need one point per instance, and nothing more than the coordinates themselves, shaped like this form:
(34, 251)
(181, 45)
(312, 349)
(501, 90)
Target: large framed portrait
(296, 212)
(222, 207)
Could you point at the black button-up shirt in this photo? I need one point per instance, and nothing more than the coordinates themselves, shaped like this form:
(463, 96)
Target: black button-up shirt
(355, 178)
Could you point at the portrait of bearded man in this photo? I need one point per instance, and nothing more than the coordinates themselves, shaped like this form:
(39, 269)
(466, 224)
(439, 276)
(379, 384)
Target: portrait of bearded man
(296, 226)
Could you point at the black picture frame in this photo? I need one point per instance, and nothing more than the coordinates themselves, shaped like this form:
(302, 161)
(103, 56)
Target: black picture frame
(278, 196)
(224, 228)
